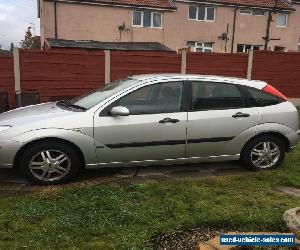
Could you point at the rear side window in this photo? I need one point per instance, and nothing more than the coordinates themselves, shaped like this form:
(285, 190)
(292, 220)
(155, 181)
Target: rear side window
(213, 96)
(258, 98)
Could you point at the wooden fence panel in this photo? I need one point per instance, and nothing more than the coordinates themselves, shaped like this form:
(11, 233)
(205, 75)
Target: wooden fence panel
(56, 73)
(7, 81)
(234, 65)
(61, 73)
(126, 63)
(280, 69)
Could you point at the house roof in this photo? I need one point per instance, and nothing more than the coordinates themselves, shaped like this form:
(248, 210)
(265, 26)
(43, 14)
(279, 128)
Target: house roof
(279, 4)
(142, 46)
(170, 5)
(156, 4)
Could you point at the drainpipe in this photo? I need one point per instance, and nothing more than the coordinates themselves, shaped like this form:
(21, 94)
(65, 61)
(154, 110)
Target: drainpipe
(55, 19)
(267, 36)
(233, 28)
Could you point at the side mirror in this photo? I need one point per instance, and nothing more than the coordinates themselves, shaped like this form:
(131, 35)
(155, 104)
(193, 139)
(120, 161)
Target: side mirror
(119, 111)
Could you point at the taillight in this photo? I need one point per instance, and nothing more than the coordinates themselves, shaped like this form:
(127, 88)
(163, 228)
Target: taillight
(271, 90)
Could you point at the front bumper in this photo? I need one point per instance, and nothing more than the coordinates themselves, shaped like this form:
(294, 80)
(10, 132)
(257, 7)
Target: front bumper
(8, 151)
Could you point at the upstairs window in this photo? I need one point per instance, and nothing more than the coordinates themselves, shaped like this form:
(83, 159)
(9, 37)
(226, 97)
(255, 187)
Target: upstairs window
(253, 12)
(200, 46)
(282, 20)
(244, 48)
(148, 19)
(202, 13)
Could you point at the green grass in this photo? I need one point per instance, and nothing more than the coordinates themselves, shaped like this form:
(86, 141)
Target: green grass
(129, 217)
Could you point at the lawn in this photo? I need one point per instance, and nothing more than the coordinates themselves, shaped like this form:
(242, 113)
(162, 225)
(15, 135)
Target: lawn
(132, 216)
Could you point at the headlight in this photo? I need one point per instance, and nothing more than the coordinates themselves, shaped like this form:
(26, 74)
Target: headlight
(3, 128)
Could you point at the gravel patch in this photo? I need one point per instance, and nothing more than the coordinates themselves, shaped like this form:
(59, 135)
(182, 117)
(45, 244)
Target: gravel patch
(184, 240)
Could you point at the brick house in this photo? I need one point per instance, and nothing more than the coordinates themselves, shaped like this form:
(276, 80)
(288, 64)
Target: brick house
(202, 25)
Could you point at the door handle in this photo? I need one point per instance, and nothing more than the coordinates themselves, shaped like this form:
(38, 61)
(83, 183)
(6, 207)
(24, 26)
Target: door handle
(240, 115)
(169, 120)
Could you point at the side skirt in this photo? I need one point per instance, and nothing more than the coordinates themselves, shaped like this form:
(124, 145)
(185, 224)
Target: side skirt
(166, 161)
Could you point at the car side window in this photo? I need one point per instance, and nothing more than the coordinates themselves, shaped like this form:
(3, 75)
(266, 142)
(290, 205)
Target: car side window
(215, 95)
(152, 99)
(257, 98)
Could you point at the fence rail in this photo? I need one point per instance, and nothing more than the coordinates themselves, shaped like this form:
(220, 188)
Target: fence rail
(56, 74)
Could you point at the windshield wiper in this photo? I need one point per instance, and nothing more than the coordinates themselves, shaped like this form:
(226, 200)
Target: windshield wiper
(77, 107)
(67, 104)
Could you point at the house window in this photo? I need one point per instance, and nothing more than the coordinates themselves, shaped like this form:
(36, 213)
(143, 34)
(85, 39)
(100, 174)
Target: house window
(279, 49)
(202, 13)
(282, 20)
(258, 12)
(137, 18)
(244, 48)
(147, 19)
(200, 46)
(253, 12)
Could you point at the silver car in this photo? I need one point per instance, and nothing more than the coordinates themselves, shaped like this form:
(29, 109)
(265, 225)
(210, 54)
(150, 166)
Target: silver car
(147, 120)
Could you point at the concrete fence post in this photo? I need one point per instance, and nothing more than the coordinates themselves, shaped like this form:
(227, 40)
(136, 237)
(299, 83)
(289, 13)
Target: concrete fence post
(107, 66)
(183, 62)
(17, 75)
(250, 64)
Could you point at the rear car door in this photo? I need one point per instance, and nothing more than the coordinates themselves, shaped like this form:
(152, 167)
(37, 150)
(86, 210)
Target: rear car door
(155, 129)
(217, 116)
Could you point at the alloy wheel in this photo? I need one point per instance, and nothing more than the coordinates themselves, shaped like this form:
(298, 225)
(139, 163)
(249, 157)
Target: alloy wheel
(50, 165)
(265, 154)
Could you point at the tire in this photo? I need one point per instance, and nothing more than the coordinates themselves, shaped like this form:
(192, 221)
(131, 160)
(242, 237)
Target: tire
(263, 152)
(49, 163)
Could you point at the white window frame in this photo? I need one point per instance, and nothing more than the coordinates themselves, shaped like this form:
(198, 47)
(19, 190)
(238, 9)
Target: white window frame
(194, 48)
(286, 19)
(142, 19)
(205, 15)
(251, 12)
(152, 19)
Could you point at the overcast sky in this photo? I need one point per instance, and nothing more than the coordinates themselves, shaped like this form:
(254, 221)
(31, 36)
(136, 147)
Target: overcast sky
(15, 17)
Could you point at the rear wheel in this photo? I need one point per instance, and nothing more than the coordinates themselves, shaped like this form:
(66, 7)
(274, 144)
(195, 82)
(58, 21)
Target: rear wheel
(50, 163)
(264, 152)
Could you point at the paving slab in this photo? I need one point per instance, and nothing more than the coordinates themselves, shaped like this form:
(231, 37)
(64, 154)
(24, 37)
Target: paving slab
(11, 183)
(290, 191)
(148, 171)
(127, 172)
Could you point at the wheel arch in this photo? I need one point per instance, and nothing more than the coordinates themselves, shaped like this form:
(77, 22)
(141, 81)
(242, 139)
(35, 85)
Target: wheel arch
(280, 136)
(47, 139)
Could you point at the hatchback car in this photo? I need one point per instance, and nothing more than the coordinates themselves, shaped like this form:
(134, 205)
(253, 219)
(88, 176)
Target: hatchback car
(147, 120)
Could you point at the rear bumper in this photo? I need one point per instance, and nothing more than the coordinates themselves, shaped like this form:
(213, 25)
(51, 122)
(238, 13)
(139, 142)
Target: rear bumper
(294, 139)
(8, 151)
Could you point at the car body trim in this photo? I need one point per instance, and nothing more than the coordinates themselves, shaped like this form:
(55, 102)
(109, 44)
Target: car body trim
(170, 142)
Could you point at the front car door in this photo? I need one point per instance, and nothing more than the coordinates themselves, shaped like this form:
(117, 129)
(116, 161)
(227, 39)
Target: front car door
(155, 129)
(217, 117)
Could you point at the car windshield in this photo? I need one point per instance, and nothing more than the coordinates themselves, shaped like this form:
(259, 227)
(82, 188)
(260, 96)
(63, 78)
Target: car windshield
(90, 100)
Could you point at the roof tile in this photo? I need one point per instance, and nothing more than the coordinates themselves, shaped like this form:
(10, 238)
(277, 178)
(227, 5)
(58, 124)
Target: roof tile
(163, 4)
(169, 4)
(281, 4)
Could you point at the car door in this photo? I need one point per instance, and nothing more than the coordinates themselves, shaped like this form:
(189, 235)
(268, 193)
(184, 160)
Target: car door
(217, 116)
(154, 130)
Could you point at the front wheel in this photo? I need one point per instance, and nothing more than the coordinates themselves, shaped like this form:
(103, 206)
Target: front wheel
(49, 163)
(264, 152)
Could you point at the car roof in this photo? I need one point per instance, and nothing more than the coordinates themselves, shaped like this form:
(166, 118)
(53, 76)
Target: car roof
(212, 78)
